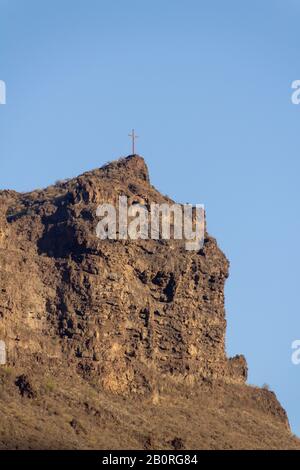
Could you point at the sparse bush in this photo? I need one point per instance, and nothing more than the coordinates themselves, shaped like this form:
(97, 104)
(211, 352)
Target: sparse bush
(61, 182)
(7, 371)
(49, 386)
(6, 374)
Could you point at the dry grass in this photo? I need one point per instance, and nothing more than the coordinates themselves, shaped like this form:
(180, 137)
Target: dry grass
(69, 413)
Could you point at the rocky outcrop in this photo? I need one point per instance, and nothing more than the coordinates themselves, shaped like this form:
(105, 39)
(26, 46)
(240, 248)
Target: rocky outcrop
(128, 317)
(122, 312)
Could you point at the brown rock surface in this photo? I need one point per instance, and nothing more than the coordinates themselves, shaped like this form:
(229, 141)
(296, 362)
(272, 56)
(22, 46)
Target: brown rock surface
(121, 343)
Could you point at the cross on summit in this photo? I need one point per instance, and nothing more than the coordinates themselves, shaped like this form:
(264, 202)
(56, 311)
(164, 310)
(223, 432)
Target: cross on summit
(133, 138)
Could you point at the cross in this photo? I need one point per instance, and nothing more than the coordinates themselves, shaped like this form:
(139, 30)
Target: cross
(133, 137)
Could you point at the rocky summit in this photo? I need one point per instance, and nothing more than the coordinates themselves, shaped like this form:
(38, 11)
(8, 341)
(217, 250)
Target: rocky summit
(117, 344)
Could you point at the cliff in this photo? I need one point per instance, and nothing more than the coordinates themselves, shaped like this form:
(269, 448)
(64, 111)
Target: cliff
(117, 334)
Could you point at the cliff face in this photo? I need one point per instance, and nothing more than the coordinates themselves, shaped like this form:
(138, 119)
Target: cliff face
(125, 318)
(120, 312)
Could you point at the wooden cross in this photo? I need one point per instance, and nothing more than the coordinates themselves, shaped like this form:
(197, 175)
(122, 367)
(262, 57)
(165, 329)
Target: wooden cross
(133, 137)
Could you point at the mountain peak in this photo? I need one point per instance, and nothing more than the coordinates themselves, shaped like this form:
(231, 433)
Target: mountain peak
(132, 165)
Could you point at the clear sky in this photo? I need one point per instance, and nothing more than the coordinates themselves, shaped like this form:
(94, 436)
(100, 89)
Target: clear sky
(207, 85)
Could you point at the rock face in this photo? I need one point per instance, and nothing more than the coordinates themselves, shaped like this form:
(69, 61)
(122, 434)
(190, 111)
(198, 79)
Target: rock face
(129, 318)
(125, 312)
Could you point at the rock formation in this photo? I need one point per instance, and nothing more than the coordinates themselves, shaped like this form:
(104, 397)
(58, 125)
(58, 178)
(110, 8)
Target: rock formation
(126, 321)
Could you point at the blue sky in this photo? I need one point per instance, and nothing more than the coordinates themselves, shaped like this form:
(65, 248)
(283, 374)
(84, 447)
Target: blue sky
(207, 85)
